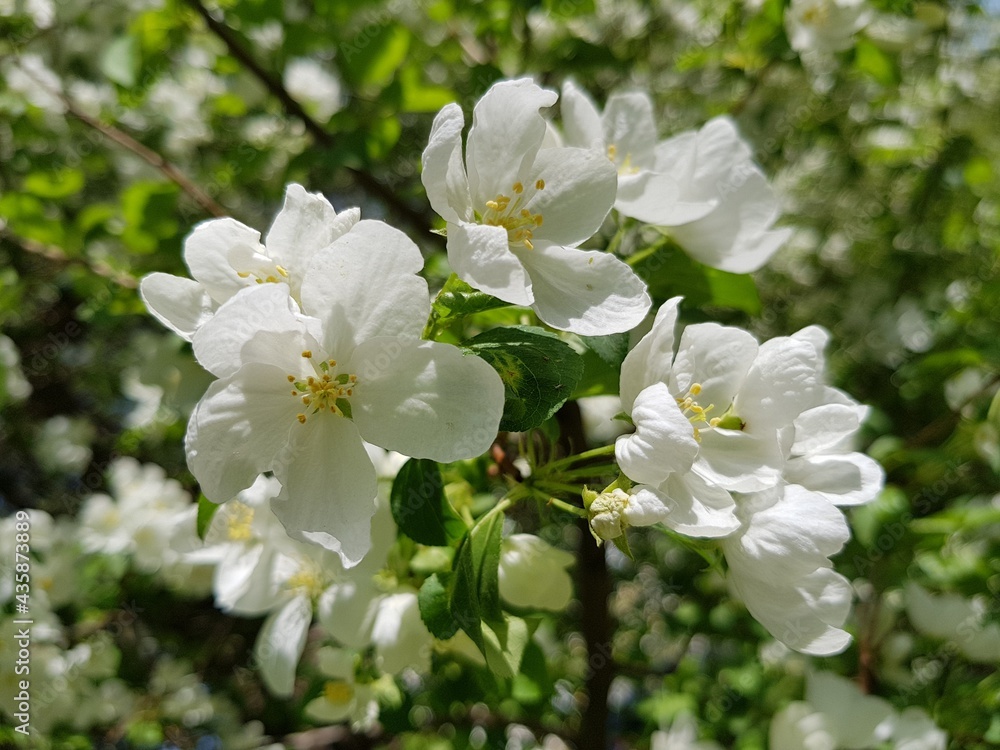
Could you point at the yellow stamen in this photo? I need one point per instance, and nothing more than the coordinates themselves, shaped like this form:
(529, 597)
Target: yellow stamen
(518, 188)
(301, 418)
(307, 354)
(539, 184)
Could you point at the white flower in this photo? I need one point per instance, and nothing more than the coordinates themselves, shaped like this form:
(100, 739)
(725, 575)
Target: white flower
(838, 716)
(626, 133)
(728, 207)
(400, 638)
(779, 567)
(296, 395)
(225, 256)
(343, 698)
(312, 85)
(533, 573)
(516, 213)
(709, 420)
(959, 620)
(683, 735)
(820, 456)
(824, 25)
(612, 513)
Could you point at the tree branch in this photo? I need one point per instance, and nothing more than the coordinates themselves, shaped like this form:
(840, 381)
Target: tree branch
(320, 135)
(58, 255)
(594, 588)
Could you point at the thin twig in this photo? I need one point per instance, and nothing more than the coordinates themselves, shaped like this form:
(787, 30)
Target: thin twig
(172, 173)
(323, 137)
(58, 255)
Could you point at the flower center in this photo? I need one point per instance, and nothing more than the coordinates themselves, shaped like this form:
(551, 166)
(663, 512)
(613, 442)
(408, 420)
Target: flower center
(307, 580)
(338, 692)
(325, 391)
(239, 523)
(817, 15)
(266, 274)
(698, 415)
(520, 223)
(624, 166)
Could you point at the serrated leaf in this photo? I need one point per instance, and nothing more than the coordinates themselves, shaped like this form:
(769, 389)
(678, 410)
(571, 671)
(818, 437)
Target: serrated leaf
(476, 591)
(539, 372)
(206, 512)
(419, 505)
(435, 606)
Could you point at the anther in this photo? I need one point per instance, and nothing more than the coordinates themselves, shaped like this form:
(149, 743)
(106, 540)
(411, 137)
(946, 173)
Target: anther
(307, 354)
(282, 270)
(539, 184)
(291, 378)
(243, 274)
(301, 418)
(518, 188)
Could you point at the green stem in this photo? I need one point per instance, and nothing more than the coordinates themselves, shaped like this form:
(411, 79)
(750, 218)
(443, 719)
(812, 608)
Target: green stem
(573, 489)
(588, 471)
(604, 450)
(562, 505)
(616, 240)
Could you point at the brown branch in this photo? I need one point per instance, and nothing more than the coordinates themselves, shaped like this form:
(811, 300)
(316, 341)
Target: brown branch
(320, 135)
(594, 588)
(58, 255)
(155, 160)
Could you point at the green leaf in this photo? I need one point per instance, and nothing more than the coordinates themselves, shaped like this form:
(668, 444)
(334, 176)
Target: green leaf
(612, 349)
(435, 610)
(505, 642)
(420, 97)
(539, 372)
(59, 184)
(372, 57)
(872, 61)
(420, 507)
(120, 61)
(457, 299)
(668, 272)
(533, 684)
(206, 512)
(476, 593)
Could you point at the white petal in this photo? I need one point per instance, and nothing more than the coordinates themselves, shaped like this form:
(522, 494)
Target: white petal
(798, 726)
(306, 224)
(481, 255)
(238, 429)
(663, 441)
(736, 236)
(507, 131)
(698, 508)
(338, 290)
(822, 427)
(784, 381)
(655, 198)
(182, 305)
(443, 173)
(399, 635)
(328, 487)
(533, 573)
(630, 127)
(207, 250)
(715, 357)
(651, 359)
(806, 615)
(843, 479)
(948, 615)
(425, 400)
(580, 187)
(260, 324)
(580, 119)
(915, 730)
(234, 576)
(280, 644)
(861, 721)
(347, 611)
(646, 506)
(588, 292)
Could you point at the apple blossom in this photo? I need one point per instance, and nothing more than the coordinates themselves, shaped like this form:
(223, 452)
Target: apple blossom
(343, 698)
(225, 256)
(516, 213)
(823, 26)
(294, 388)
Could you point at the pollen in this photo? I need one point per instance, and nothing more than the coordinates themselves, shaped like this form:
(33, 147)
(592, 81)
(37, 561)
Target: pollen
(326, 391)
(239, 523)
(338, 692)
(513, 215)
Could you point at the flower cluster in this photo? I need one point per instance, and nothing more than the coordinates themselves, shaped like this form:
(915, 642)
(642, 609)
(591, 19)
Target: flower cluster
(746, 443)
(310, 362)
